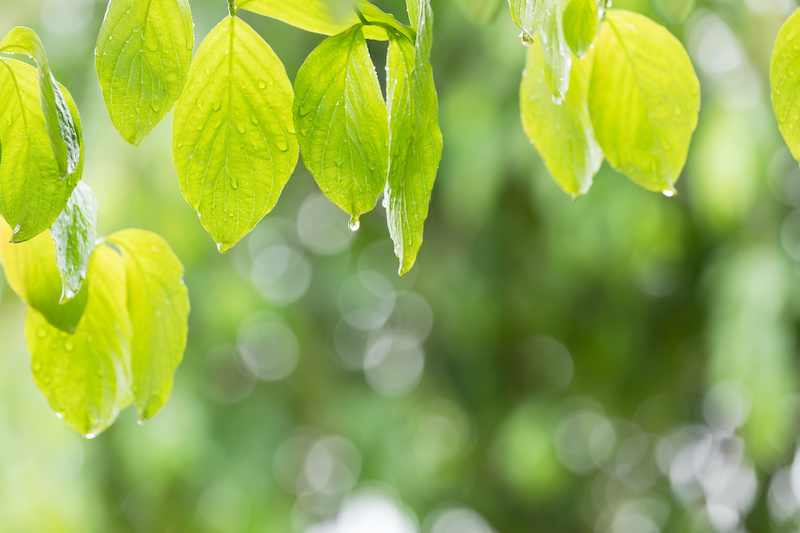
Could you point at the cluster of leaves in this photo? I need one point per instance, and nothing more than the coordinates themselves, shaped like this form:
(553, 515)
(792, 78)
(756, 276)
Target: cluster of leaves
(239, 124)
(107, 322)
(611, 84)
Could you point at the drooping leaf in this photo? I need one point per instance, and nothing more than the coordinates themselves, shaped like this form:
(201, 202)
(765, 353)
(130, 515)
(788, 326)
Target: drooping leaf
(415, 145)
(322, 16)
(142, 59)
(673, 11)
(32, 193)
(158, 306)
(527, 14)
(234, 143)
(85, 376)
(785, 82)
(31, 271)
(644, 99)
(581, 19)
(342, 123)
(562, 132)
(557, 54)
(61, 128)
(74, 234)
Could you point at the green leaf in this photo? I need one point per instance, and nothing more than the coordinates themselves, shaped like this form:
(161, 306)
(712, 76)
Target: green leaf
(562, 132)
(415, 145)
(318, 16)
(61, 128)
(785, 82)
(673, 11)
(527, 14)
(644, 99)
(74, 234)
(481, 11)
(32, 193)
(342, 123)
(31, 271)
(142, 59)
(558, 58)
(234, 143)
(158, 306)
(85, 376)
(581, 19)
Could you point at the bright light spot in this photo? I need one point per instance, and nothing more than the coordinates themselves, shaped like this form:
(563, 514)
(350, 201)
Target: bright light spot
(460, 520)
(281, 274)
(584, 441)
(322, 227)
(370, 512)
(367, 300)
(727, 406)
(67, 17)
(269, 347)
(394, 363)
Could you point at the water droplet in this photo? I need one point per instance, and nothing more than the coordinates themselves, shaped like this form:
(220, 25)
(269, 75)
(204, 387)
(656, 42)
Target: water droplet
(41, 333)
(216, 105)
(60, 416)
(557, 100)
(262, 84)
(90, 436)
(234, 182)
(240, 128)
(354, 224)
(69, 345)
(37, 366)
(282, 145)
(669, 193)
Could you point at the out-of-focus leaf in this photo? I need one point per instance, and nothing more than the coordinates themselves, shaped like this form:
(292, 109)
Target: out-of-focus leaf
(31, 271)
(74, 234)
(61, 128)
(158, 306)
(673, 11)
(415, 140)
(481, 11)
(142, 59)
(85, 376)
(32, 193)
(581, 19)
(319, 16)
(341, 122)
(785, 82)
(644, 99)
(562, 132)
(234, 143)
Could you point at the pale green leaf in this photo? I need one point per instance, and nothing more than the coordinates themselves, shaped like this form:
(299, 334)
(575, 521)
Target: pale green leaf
(328, 17)
(785, 82)
(142, 59)
(415, 146)
(481, 11)
(644, 99)
(32, 193)
(562, 132)
(342, 123)
(581, 19)
(234, 143)
(61, 128)
(31, 271)
(527, 14)
(557, 54)
(85, 376)
(673, 11)
(158, 306)
(74, 234)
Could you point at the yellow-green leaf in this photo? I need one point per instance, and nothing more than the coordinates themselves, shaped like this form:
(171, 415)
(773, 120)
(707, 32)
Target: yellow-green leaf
(328, 17)
(673, 11)
(234, 143)
(342, 123)
(644, 99)
(562, 132)
(142, 59)
(85, 376)
(581, 19)
(785, 82)
(32, 191)
(158, 306)
(61, 128)
(415, 140)
(74, 234)
(31, 271)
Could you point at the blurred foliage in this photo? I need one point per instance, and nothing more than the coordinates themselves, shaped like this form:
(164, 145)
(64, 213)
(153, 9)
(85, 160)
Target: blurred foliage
(624, 363)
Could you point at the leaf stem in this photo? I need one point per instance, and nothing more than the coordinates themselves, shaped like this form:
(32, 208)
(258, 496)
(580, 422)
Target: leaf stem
(232, 7)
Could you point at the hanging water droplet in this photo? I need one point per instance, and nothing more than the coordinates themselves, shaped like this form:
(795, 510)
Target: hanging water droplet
(90, 436)
(354, 224)
(557, 100)
(669, 193)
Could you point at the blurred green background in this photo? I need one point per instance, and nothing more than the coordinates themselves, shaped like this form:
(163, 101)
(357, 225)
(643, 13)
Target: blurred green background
(623, 364)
